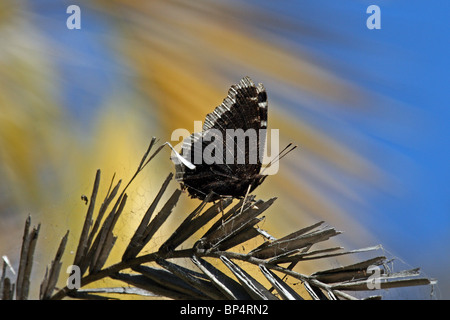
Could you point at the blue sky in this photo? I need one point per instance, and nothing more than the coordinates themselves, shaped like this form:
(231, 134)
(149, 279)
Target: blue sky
(407, 61)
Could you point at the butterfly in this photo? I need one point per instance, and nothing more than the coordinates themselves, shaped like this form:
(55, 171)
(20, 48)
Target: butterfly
(239, 126)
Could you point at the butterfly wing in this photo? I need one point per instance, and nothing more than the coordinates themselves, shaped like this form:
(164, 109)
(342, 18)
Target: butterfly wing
(245, 108)
(243, 111)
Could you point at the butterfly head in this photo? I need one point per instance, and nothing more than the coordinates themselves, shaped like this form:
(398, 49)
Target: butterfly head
(255, 181)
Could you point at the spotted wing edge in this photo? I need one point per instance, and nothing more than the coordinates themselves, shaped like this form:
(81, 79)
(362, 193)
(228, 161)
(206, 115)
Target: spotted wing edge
(230, 100)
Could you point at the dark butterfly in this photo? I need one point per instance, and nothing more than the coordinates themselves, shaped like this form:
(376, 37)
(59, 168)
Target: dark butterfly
(244, 108)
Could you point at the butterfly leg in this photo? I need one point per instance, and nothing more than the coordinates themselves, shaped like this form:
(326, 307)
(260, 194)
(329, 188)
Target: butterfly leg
(245, 198)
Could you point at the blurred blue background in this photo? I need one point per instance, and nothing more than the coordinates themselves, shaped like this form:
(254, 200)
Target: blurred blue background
(368, 108)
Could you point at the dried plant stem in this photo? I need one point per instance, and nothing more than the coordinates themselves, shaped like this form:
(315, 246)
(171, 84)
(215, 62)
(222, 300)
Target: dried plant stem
(230, 229)
(123, 265)
(188, 253)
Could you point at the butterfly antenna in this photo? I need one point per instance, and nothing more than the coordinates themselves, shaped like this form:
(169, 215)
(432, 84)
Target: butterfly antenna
(280, 156)
(286, 153)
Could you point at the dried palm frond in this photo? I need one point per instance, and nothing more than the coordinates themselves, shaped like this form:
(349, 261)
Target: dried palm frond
(218, 271)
